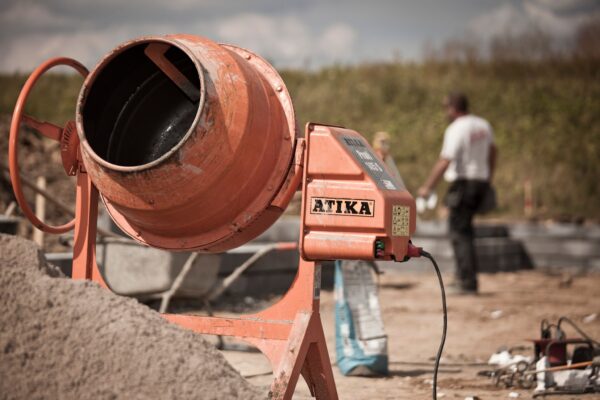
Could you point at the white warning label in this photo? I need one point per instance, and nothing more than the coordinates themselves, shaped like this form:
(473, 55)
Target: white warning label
(400, 220)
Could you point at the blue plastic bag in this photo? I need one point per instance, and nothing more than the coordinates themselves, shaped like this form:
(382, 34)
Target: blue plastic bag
(361, 343)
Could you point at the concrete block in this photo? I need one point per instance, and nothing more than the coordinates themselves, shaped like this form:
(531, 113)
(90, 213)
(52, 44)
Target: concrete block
(501, 255)
(134, 270)
(9, 225)
(563, 230)
(491, 231)
(572, 247)
(130, 269)
(418, 265)
(440, 247)
(582, 247)
(285, 229)
(556, 261)
(593, 232)
(554, 230)
(63, 260)
(436, 228)
(269, 263)
(594, 264)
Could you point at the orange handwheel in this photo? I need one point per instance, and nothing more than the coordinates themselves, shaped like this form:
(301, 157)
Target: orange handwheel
(48, 130)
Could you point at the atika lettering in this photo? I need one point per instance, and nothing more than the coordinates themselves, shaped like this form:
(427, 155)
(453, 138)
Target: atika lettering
(348, 207)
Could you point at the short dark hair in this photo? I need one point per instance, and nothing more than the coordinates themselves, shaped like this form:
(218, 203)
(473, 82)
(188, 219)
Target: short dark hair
(458, 101)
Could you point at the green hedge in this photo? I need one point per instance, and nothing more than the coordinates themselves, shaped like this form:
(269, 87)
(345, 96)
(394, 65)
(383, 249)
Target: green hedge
(546, 119)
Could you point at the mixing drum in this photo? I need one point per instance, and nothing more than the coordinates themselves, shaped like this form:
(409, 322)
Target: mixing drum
(173, 128)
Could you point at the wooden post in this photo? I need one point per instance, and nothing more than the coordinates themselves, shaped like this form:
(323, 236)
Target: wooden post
(528, 198)
(40, 211)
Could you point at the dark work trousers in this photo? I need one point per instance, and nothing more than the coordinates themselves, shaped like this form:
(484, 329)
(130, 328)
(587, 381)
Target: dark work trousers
(463, 199)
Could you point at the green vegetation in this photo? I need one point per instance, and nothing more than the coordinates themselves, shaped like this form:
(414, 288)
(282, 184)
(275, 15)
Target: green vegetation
(53, 99)
(546, 117)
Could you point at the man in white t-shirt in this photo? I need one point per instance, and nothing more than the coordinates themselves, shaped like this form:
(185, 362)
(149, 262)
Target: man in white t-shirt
(467, 161)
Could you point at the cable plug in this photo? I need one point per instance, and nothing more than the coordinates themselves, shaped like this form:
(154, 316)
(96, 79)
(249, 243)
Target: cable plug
(413, 251)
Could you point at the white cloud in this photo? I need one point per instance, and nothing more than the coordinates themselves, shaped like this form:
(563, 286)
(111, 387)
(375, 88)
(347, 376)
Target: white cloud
(25, 52)
(286, 39)
(282, 38)
(558, 18)
(25, 14)
(565, 5)
(550, 21)
(505, 19)
(291, 34)
(338, 41)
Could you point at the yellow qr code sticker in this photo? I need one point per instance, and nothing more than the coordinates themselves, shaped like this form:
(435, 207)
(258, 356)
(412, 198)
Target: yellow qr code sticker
(400, 220)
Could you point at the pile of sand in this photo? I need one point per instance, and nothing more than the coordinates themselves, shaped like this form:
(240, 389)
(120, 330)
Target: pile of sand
(68, 339)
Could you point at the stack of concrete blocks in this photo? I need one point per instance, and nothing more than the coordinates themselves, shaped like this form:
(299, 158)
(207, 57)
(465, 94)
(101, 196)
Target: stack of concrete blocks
(273, 273)
(131, 269)
(559, 246)
(144, 272)
(141, 271)
(136, 270)
(496, 250)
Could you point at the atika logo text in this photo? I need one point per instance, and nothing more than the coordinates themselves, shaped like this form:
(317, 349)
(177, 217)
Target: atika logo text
(350, 207)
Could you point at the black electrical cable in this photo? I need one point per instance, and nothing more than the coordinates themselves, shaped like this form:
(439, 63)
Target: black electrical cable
(445, 326)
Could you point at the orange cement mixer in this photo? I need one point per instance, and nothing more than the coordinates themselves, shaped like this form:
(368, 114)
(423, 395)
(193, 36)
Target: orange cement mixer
(192, 145)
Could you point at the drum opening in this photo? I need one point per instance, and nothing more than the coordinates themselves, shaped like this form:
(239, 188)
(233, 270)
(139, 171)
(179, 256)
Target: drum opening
(142, 102)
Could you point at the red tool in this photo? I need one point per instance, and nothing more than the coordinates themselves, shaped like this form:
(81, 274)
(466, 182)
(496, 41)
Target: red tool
(192, 146)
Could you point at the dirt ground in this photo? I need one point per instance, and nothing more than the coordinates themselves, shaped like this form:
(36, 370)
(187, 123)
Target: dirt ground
(506, 313)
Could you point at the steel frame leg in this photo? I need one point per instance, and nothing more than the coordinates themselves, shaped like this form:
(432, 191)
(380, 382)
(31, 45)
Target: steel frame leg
(289, 333)
(86, 218)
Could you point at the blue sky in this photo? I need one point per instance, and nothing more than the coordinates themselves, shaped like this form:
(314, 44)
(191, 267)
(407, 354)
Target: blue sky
(290, 33)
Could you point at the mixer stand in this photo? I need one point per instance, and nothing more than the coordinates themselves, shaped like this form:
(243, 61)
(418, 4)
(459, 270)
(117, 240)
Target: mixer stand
(289, 333)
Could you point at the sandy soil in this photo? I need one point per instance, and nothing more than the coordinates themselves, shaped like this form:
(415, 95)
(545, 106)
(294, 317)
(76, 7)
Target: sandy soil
(412, 314)
(65, 339)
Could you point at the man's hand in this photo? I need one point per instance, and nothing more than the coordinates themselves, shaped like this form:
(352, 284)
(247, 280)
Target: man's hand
(424, 192)
(436, 173)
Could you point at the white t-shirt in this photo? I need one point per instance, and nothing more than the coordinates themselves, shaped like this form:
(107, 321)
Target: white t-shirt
(467, 142)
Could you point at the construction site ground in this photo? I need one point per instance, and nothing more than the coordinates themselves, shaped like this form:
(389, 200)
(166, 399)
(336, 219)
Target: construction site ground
(507, 312)
(63, 338)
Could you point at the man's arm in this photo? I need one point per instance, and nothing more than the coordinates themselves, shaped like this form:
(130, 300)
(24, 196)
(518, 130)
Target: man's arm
(492, 160)
(434, 177)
